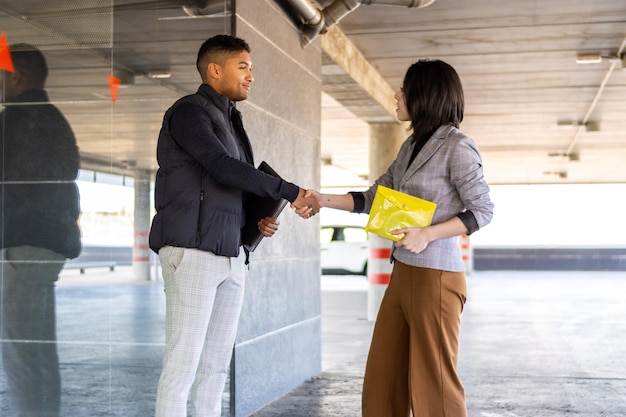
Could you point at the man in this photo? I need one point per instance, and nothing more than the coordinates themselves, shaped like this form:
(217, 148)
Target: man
(206, 169)
(39, 208)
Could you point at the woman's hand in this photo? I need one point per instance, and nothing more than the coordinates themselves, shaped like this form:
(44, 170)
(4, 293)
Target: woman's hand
(414, 239)
(268, 226)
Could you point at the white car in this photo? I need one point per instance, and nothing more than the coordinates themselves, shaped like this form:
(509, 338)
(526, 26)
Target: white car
(344, 250)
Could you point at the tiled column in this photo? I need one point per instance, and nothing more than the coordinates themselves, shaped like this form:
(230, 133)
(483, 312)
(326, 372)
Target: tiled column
(141, 251)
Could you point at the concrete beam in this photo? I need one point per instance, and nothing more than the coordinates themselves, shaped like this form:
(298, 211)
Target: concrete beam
(346, 55)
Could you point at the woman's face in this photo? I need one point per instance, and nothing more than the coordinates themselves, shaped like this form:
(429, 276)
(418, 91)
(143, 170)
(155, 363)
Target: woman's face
(402, 113)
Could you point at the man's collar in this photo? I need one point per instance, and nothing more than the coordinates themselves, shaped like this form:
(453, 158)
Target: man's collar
(220, 100)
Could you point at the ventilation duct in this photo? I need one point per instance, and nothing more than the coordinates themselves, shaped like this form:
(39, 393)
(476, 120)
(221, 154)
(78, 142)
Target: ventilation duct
(317, 21)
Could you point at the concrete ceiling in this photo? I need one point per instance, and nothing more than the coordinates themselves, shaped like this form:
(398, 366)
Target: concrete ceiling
(516, 60)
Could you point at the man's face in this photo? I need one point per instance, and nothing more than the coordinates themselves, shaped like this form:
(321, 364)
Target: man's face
(236, 76)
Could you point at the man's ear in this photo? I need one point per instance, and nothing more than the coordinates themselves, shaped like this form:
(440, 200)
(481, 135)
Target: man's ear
(214, 71)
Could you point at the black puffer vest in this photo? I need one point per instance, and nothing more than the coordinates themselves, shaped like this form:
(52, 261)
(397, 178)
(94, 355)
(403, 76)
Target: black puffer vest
(193, 210)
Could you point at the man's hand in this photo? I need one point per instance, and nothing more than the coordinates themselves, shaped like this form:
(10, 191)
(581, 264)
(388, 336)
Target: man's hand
(307, 203)
(268, 226)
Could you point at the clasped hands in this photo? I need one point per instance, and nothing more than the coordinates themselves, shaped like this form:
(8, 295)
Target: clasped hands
(307, 204)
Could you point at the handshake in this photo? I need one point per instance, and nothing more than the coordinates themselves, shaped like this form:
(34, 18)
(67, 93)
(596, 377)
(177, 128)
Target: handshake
(308, 203)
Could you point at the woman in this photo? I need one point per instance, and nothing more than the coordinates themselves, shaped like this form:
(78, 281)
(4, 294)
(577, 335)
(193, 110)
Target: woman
(412, 360)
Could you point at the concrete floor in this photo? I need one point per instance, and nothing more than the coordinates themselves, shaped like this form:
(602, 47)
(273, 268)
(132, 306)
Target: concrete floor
(533, 344)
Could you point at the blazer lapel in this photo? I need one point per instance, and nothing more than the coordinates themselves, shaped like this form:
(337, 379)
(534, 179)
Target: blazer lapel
(434, 143)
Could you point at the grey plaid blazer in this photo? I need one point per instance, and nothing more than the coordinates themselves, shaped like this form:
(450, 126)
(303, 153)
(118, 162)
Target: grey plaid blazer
(448, 171)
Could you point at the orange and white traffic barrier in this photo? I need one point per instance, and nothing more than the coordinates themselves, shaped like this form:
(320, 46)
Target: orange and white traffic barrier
(141, 250)
(466, 253)
(378, 273)
(141, 256)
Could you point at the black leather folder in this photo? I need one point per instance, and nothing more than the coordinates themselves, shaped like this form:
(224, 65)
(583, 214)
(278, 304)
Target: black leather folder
(257, 208)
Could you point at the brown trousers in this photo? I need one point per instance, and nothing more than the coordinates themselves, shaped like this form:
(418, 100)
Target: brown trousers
(412, 359)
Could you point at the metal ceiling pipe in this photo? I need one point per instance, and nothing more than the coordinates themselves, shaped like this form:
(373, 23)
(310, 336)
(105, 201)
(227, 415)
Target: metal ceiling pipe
(317, 21)
(312, 20)
(337, 11)
(308, 12)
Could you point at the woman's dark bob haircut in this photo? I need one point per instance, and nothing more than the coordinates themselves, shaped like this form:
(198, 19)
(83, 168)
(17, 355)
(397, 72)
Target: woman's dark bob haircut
(434, 96)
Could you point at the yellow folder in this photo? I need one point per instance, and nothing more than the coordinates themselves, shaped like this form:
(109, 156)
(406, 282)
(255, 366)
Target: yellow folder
(393, 210)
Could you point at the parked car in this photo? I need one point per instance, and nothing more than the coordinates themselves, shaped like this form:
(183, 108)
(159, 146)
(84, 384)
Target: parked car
(344, 250)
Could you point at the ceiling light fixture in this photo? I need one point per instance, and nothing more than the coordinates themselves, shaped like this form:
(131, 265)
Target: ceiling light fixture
(590, 126)
(597, 57)
(574, 156)
(560, 174)
(566, 123)
(158, 74)
(588, 58)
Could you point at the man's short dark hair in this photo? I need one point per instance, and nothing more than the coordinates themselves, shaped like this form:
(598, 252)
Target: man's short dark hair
(215, 48)
(31, 62)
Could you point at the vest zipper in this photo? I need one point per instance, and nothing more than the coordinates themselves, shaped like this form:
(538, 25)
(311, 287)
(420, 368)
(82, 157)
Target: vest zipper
(198, 234)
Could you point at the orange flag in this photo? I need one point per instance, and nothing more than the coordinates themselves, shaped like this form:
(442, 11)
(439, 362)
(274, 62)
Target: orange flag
(114, 86)
(6, 63)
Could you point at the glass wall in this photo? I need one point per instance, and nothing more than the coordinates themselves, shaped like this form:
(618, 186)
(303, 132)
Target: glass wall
(84, 85)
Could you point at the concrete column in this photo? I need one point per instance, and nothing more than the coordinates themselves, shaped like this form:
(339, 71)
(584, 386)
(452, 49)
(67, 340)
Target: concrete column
(141, 251)
(385, 141)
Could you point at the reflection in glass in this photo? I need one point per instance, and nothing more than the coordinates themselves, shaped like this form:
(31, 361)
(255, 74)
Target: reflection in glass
(39, 163)
(108, 335)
